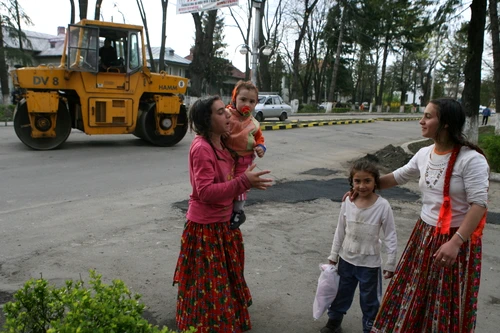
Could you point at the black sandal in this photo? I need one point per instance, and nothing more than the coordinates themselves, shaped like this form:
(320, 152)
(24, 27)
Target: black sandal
(237, 219)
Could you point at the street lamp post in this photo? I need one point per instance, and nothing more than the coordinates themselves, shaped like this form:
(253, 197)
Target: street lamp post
(256, 33)
(266, 50)
(254, 52)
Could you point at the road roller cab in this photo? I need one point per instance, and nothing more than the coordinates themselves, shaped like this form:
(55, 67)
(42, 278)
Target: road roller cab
(102, 86)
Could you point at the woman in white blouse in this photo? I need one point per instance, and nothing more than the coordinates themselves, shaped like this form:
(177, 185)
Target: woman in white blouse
(436, 283)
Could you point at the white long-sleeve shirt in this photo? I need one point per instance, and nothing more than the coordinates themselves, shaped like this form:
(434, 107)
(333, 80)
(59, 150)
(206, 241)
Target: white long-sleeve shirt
(468, 184)
(357, 238)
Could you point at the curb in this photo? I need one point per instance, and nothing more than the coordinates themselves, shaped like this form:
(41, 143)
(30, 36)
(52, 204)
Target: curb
(398, 119)
(313, 123)
(296, 124)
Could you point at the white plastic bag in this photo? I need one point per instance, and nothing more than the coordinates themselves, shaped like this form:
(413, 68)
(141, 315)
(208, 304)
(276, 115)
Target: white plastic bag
(328, 285)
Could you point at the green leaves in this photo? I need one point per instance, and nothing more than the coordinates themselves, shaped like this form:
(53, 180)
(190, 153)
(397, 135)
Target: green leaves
(490, 143)
(39, 307)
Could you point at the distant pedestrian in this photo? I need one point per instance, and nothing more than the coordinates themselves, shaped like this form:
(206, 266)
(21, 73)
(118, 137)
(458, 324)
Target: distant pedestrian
(486, 114)
(356, 248)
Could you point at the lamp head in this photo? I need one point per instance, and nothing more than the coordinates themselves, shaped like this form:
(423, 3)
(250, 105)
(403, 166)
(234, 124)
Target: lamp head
(267, 50)
(244, 49)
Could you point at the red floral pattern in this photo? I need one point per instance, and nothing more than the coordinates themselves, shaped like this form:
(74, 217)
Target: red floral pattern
(213, 295)
(424, 297)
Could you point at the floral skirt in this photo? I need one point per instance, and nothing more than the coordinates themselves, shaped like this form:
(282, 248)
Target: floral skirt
(213, 295)
(424, 297)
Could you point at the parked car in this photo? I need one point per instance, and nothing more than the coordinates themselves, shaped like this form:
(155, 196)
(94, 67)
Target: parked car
(271, 106)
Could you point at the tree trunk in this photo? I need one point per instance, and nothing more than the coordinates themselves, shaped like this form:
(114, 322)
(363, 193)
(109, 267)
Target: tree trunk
(425, 84)
(19, 31)
(146, 31)
(84, 4)
(298, 42)
(333, 83)
(457, 85)
(72, 19)
(97, 13)
(4, 75)
(375, 80)
(380, 95)
(164, 6)
(263, 74)
(402, 84)
(472, 88)
(203, 46)
(496, 58)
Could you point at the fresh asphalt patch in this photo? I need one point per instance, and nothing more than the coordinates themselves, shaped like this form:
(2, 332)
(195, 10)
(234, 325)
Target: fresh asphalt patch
(333, 189)
(309, 190)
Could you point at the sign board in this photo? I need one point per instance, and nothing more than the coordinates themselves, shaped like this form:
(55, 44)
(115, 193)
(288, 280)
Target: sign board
(193, 6)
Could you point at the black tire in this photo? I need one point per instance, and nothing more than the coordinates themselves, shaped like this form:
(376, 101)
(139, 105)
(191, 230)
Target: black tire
(23, 128)
(139, 127)
(148, 122)
(259, 117)
(283, 116)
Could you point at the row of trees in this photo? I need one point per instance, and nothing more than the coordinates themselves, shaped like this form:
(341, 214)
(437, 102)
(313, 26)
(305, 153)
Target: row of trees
(364, 49)
(345, 47)
(368, 50)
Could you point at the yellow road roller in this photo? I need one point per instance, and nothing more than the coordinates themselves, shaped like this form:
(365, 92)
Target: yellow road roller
(102, 86)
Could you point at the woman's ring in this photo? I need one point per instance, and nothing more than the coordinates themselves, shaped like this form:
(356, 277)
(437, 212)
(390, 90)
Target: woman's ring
(443, 259)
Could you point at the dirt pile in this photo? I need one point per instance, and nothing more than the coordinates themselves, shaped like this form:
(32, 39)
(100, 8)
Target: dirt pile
(389, 158)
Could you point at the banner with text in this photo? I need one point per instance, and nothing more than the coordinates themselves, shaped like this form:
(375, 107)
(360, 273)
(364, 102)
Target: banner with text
(193, 6)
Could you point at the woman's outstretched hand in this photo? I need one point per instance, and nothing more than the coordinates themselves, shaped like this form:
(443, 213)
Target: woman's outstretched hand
(255, 180)
(351, 194)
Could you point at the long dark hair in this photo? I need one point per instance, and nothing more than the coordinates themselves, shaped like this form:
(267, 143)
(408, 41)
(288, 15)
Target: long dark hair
(451, 113)
(200, 122)
(199, 116)
(366, 166)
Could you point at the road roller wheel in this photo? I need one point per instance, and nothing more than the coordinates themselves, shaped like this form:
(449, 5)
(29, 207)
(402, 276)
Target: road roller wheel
(149, 126)
(139, 127)
(23, 128)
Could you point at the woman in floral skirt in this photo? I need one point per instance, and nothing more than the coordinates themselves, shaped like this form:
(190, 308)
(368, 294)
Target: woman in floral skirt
(436, 283)
(212, 293)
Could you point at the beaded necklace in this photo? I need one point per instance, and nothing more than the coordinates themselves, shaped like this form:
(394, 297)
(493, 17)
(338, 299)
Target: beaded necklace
(434, 171)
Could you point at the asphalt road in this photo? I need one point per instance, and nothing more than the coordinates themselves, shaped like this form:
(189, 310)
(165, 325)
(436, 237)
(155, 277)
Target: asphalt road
(117, 205)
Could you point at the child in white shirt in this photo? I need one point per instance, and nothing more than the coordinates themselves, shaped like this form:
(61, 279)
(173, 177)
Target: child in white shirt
(356, 248)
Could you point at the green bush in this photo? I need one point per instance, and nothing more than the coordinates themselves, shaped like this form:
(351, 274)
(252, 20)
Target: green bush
(490, 144)
(341, 110)
(39, 307)
(312, 108)
(309, 108)
(6, 112)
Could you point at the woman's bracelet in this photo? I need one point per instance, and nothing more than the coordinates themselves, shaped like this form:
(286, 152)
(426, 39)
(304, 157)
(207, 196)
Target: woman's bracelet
(460, 235)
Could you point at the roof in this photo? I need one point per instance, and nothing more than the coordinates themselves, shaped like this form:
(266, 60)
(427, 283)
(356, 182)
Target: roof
(39, 41)
(235, 72)
(170, 55)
